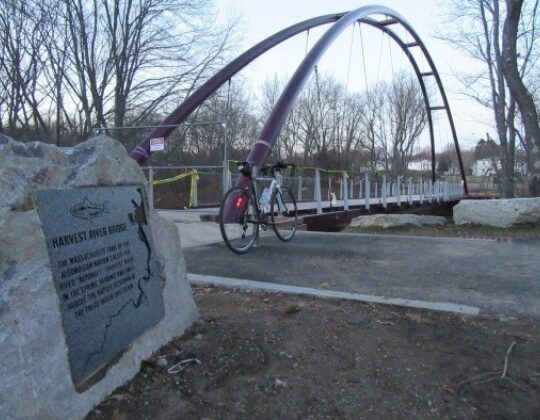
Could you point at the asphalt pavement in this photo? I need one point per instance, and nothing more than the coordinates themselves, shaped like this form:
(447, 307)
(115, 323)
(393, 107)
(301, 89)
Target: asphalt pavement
(501, 278)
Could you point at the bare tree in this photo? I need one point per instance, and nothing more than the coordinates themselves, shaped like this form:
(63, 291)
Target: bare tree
(475, 26)
(394, 118)
(21, 67)
(336, 129)
(74, 64)
(516, 85)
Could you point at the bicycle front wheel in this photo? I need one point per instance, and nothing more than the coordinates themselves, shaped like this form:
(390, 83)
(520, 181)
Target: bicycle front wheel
(284, 214)
(238, 220)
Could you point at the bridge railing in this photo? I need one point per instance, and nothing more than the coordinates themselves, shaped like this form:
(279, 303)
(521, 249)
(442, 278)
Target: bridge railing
(336, 189)
(315, 188)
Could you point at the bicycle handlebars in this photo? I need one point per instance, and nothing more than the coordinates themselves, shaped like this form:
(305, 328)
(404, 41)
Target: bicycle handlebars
(245, 168)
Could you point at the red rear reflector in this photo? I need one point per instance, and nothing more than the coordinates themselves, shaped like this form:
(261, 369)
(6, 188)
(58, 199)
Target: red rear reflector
(239, 202)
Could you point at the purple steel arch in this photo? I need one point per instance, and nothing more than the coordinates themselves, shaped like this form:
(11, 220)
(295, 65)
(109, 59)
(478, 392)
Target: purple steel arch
(276, 119)
(434, 72)
(142, 151)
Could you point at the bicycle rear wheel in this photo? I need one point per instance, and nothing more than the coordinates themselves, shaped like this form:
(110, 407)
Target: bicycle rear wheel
(284, 214)
(238, 220)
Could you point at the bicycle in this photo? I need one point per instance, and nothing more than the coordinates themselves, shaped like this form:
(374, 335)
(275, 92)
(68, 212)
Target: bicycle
(242, 212)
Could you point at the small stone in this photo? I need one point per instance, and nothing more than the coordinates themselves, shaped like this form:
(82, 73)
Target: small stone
(280, 384)
(285, 354)
(324, 285)
(199, 336)
(161, 362)
(117, 397)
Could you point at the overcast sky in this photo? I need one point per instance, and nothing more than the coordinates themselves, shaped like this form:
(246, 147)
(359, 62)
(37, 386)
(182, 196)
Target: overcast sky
(261, 19)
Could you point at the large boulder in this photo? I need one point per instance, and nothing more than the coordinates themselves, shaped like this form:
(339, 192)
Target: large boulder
(499, 213)
(35, 372)
(396, 220)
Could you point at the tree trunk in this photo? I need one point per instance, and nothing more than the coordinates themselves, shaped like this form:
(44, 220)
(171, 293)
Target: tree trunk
(524, 99)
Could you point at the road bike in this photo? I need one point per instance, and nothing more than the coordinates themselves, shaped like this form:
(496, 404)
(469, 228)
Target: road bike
(243, 211)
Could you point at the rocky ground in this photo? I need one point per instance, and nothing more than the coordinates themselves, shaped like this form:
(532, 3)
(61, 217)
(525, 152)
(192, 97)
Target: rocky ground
(276, 356)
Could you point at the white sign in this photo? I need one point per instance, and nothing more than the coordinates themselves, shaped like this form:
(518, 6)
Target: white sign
(157, 144)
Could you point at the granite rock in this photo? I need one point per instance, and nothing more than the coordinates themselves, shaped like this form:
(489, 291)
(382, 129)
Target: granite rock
(35, 372)
(396, 220)
(499, 213)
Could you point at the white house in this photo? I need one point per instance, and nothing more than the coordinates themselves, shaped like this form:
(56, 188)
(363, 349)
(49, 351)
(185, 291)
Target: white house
(419, 165)
(486, 167)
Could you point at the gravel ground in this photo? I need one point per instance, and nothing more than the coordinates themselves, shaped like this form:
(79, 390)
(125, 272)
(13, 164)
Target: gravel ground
(273, 356)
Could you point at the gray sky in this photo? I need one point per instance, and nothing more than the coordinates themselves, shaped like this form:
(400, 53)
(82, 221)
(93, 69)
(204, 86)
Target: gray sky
(261, 19)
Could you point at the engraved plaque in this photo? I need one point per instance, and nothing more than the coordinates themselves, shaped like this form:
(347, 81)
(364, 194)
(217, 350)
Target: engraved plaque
(102, 260)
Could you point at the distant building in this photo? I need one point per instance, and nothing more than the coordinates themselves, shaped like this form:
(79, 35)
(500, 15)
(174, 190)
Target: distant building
(521, 168)
(423, 165)
(486, 167)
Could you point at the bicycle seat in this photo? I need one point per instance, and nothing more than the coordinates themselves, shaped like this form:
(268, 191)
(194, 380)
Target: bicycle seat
(244, 168)
(280, 165)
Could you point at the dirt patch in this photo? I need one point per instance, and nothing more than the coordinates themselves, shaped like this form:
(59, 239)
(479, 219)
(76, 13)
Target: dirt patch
(276, 356)
(517, 232)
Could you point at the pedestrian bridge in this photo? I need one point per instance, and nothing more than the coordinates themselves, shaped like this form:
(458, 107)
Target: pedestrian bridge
(384, 192)
(316, 190)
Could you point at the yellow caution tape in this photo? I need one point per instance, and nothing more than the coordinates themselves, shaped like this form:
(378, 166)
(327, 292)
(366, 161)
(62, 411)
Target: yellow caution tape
(174, 178)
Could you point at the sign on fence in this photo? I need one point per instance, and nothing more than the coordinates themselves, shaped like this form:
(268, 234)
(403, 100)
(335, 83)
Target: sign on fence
(157, 144)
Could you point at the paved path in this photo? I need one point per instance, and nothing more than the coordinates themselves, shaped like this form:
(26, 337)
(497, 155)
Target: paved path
(192, 231)
(501, 278)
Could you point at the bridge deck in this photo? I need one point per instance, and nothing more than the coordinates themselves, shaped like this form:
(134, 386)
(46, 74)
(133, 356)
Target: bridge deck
(357, 202)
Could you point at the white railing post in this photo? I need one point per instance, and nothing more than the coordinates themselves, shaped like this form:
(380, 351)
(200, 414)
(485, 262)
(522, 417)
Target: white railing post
(317, 190)
(194, 194)
(398, 188)
(299, 190)
(410, 192)
(329, 187)
(367, 192)
(351, 190)
(345, 192)
(384, 192)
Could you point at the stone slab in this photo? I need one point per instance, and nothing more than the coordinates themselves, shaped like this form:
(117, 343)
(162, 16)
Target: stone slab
(397, 220)
(499, 213)
(102, 260)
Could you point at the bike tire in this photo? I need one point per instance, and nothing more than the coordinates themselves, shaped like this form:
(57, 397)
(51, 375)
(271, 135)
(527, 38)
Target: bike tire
(284, 219)
(237, 220)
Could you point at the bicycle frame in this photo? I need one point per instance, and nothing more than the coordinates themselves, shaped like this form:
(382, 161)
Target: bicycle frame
(257, 207)
(275, 185)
